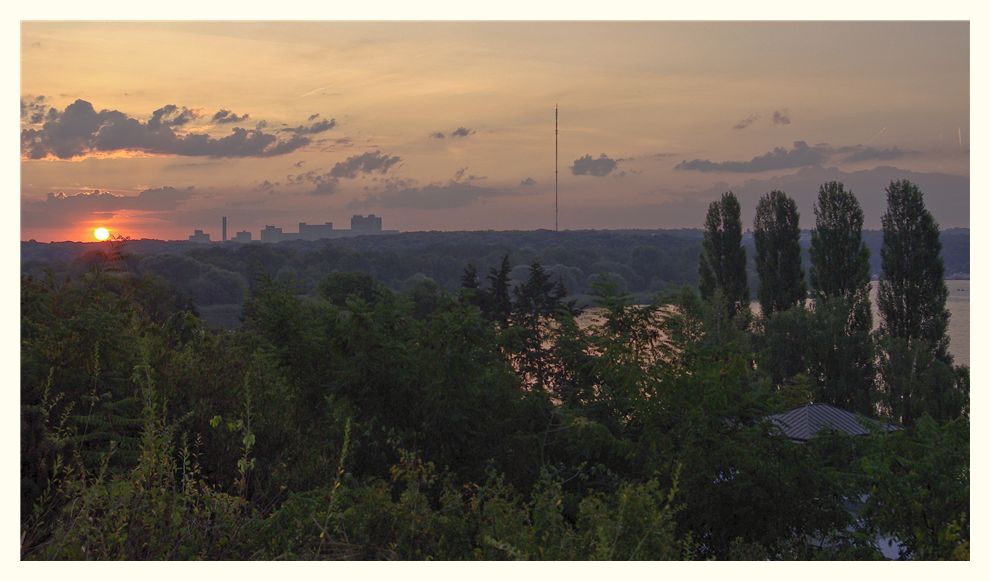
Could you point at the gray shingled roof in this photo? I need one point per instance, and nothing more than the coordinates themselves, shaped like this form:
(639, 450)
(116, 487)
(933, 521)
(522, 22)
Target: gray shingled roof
(803, 423)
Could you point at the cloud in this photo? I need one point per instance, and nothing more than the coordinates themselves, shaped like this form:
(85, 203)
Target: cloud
(369, 162)
(778, 117)
(224, 116)
(947, 195)
(867, 153)
(325, 186)
(80, 130)
(462, 176)
(35, 110)
(434, 196)
(323, 183)
(801, 155)
(60, 208)
(588, 165)
(459, 132)
(318, 127)
(313, 117)
(744, 123)
(527, 182)
(781, 118)
(171, 116)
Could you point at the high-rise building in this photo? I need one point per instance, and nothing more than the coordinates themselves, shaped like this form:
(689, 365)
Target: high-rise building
(242, 236)
(199, 236)
(315, 231)
(271, 234)
(369, 223)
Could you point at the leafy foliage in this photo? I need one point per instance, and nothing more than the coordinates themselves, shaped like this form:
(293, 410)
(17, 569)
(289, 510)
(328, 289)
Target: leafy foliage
(841, 357)
(778, 253)
(722, 266)
(350, 419)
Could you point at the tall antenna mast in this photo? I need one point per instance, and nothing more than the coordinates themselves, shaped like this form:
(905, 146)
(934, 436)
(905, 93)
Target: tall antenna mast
(556, 210)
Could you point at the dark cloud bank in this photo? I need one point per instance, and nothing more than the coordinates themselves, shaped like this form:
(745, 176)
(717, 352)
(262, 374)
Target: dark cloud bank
(458, 192)
(435, 196)
(224, 117)
(324, 183)
(800, 155)
(369, 162)
(60, 208)
(80, 129)
(946, 195)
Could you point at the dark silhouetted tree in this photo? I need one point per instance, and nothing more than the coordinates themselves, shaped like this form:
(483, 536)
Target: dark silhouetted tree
(500, 301)
(469, 280)
(534, 308)
(841, 354)
(840, 261)
(778, 253)
(471, 288)
(912, 285)
(722, 266)
(917, 376)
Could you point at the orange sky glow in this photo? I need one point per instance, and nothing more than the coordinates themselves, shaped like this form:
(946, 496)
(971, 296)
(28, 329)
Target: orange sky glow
(154, 129)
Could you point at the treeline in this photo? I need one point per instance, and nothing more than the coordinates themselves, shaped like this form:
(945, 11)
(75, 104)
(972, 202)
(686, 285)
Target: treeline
(642, 263)
(903, 370)
(360, 422)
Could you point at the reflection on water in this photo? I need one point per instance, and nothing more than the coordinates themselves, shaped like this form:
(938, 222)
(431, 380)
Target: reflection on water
(959, 322)
(958, 305)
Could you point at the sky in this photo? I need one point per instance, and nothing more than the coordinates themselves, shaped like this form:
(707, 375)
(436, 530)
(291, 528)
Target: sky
(154, 129)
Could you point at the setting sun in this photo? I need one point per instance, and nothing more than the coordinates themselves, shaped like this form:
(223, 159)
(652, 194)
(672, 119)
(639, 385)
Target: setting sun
(101, 233)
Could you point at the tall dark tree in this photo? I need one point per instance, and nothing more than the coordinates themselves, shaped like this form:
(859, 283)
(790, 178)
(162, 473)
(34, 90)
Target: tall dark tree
(469, 279)
(471, 288)
(917, 376)
(536, 303)
(912, 286)
(722, 265)
(778, 253)
(840, 353)
(499, 300)
(840, 261)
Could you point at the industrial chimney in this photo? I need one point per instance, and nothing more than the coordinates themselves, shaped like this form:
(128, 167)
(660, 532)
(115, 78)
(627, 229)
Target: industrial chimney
(224, 238)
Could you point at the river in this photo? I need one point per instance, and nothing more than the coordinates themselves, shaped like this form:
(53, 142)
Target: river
(958, 304)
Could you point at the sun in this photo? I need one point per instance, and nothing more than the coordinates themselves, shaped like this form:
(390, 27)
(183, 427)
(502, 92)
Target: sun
(101, 233)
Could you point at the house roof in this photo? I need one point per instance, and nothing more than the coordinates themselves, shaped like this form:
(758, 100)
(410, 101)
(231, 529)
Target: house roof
(801, 424)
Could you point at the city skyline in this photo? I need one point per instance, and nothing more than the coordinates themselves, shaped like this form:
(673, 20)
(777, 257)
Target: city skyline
(334, 119)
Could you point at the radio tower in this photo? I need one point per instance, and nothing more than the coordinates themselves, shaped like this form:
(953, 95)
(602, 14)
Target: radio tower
(556, 210)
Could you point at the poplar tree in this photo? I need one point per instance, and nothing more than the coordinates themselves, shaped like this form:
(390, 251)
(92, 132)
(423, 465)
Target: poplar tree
(912, 291)
(841, 350)
(917, 376)
(840, 260)
(778, 253)
(722, 265)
